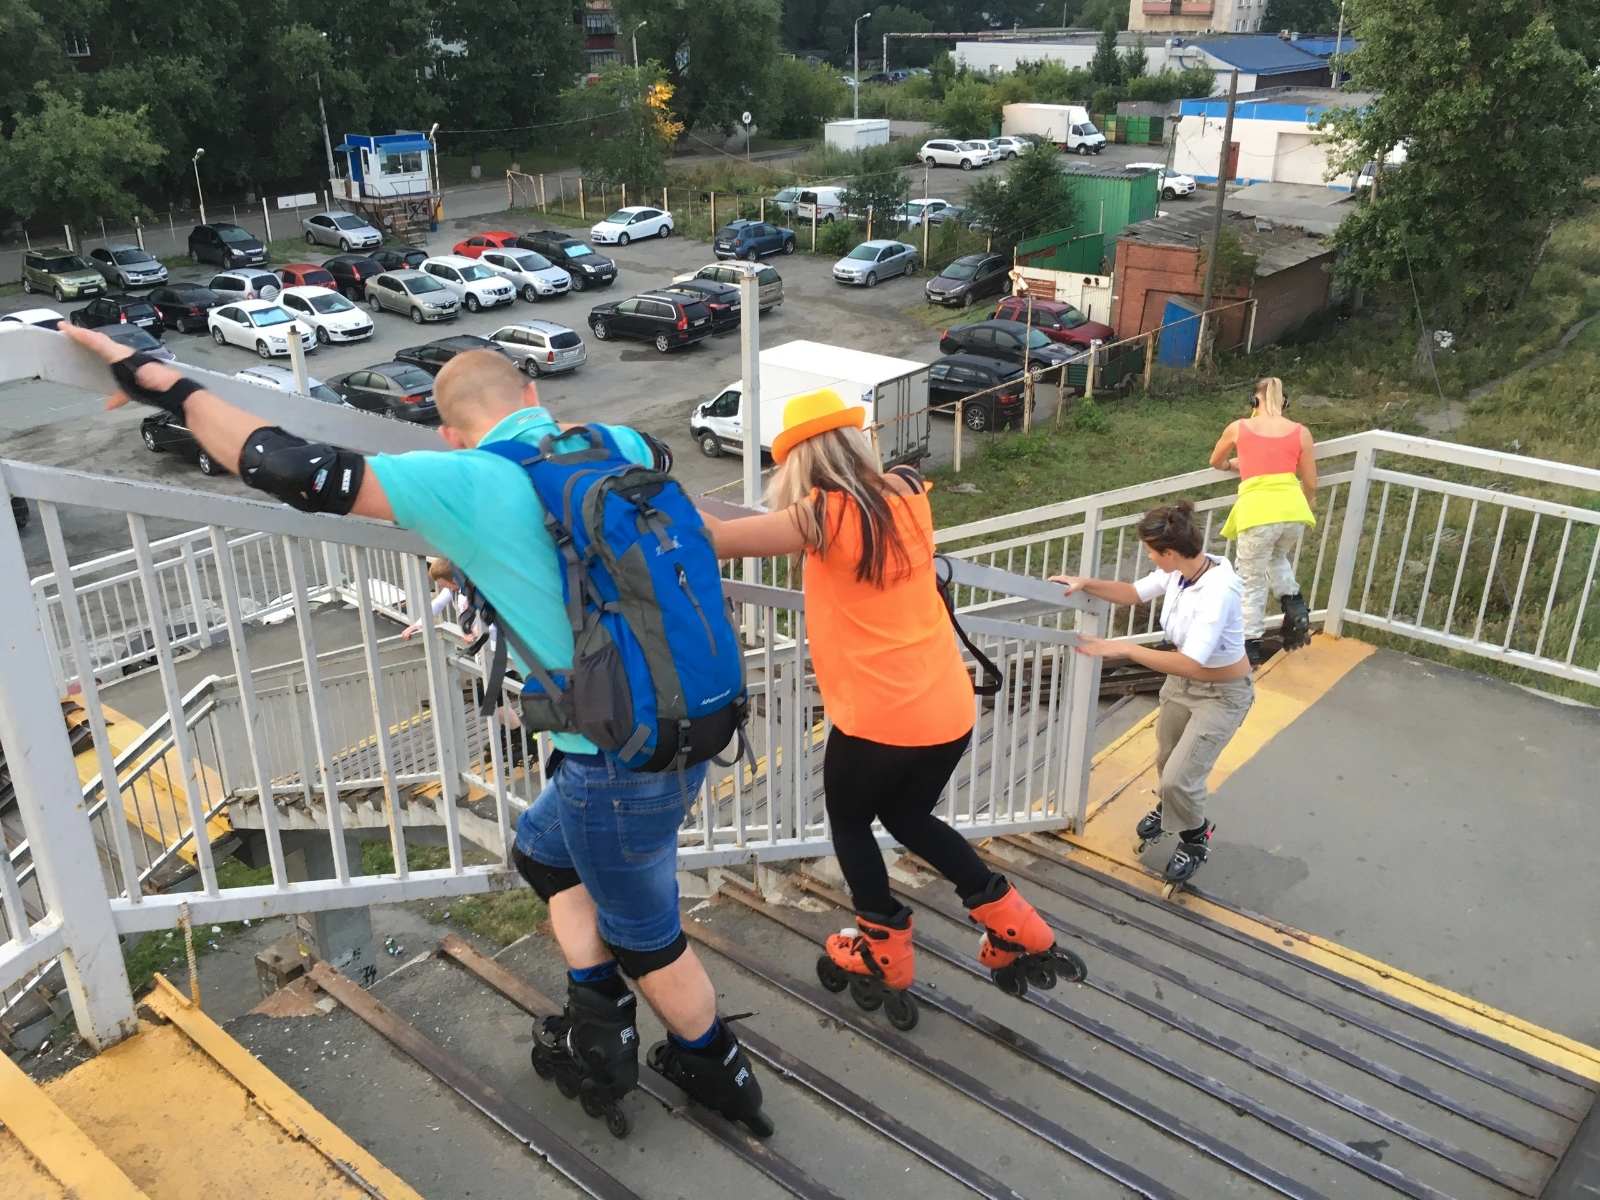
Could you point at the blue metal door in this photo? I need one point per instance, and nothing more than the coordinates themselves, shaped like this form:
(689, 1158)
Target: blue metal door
(1180, 333)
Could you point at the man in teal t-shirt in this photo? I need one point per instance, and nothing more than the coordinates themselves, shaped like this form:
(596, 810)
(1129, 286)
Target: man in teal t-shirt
(599, 844)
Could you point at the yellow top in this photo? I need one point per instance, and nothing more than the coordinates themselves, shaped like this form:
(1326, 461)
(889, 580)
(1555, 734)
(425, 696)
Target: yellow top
(1268, 500)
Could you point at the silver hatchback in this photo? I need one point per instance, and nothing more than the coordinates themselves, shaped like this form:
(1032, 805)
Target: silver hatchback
(541, 347)
(345, 230)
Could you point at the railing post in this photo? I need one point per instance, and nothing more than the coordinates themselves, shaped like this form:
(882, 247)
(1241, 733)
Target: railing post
(1084, 693)
(1344, 563)
(191, 577)
(66, 862)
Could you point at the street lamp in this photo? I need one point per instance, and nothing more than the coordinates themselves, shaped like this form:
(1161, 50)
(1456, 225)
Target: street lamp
(199, 151)
(856, 35)
(634, 38)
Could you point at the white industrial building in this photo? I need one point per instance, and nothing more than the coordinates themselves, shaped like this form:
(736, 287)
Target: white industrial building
(1275, 137)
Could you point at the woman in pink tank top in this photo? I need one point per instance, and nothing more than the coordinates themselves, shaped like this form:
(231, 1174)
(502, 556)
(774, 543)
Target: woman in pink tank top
(1277, 466)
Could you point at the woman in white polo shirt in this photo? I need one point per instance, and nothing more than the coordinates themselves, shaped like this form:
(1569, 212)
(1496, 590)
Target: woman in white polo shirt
(1208, 689)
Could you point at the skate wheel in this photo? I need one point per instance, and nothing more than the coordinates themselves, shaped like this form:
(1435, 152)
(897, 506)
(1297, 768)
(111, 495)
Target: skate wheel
(657, 1057)
(1042, 974)
(542, 1066)
(593, 1105)
(901, 1010)
(866, 996)
(617, 1123)
(1009, 981)
(567, 1082)
(831, 975)
(1073, 967)
(756, 1122)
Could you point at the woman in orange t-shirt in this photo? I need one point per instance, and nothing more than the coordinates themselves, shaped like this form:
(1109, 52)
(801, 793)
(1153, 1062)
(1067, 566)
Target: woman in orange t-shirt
(896, 691)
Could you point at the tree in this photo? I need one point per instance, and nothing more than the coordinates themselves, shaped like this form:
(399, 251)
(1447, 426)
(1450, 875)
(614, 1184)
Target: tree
(718, 54)
(626, 125)
(968, 109)
(75, 165)
(1096, 13)
(877, 183)
(511, 72)
(1035, 197)
(33, 56)
(1501, 123)
(895, 18)
(1106, 67)
(1301, 16)
(1133, 61)
(801, 97)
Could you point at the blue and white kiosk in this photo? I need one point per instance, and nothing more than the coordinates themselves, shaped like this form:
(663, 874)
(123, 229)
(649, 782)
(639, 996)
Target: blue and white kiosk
(390, 178)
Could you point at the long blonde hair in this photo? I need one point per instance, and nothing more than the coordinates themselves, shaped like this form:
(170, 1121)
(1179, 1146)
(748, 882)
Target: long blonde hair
(1269, 397)
(840, 460)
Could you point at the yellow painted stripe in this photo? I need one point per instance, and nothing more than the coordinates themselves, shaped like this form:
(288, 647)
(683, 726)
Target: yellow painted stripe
(56, 1142)
(281, 1102)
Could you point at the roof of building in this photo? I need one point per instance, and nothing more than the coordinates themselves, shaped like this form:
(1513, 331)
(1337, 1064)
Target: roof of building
(1259, 54)
(1326, 45)
(1278, 104)
(1275, 247)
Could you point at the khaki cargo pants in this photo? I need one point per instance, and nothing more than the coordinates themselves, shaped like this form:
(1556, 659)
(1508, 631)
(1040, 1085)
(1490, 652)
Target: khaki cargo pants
(1196, 721)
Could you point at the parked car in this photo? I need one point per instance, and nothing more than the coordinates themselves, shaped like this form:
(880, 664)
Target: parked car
(163, 431)
(399, 258)
(632, 223)
(330, 315)
(246, 285)
(1004, 339)
(1057, 320)
(432, 356)
(226, 245)
(820, 205)
(1173, 184)
(127, 266)
(390, 389)
(495, 239)
(768, 282)
(413, 294)
(912, 213)
(472, 283)
(1007, 147)
(351, 272)
(60, 272)
(577, 258)
(282, 379)
(541, 347)
(982, 148)
(260, 325)
(531, 273)
(668, 319)
(720, 299)
(872, 262)
(45, 318)
(785, 200)
(955, 377)
(185, 306)
(969, 278)
(342, 229)
(119, 308)
(942, 152)
(307, 275)
(752, 239)
(140, 341)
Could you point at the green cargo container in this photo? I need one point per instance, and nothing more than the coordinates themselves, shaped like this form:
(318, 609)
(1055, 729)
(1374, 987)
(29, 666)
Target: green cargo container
(1138, 130)
(1107, 200)
(1158, 128)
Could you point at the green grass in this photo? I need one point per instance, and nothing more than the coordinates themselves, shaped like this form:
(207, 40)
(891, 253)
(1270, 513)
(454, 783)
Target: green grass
(163, 949)
(499, 917)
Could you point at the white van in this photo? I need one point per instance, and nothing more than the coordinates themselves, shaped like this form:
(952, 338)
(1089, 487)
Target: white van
(825, 203)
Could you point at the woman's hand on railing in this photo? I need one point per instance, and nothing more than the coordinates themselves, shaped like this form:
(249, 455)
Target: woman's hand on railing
(1098, 647)
(1071, 583)
(411, 631)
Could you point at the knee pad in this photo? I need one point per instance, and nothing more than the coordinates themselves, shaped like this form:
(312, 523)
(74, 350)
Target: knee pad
(636, 964)
(311, 476)
(546, 881)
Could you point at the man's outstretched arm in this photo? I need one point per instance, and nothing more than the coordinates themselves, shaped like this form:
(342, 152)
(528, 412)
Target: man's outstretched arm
(311, 477)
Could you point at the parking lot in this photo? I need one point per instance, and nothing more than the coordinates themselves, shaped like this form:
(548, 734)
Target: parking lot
(622, 383)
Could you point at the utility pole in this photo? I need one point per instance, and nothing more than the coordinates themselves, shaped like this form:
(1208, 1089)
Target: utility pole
(1338, 46)
(327, 142)
(1222, 194)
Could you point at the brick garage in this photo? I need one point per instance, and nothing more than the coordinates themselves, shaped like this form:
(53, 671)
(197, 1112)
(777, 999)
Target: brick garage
(1160, 259)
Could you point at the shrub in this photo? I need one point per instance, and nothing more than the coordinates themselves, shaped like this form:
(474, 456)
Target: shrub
(838, 238)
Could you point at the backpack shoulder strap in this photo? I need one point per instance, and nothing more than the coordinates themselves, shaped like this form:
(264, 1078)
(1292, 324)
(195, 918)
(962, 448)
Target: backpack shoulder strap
(993, 678)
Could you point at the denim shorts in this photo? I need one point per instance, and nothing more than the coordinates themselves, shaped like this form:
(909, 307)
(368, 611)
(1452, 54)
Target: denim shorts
(619, 830)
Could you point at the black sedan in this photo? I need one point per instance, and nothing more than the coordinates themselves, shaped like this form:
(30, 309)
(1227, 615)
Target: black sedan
(185, 306)
(162, 431)
(399, 258)
(996, 384)
(118, 308)
(722, 299)
(400, 390)
(350, 274)
(969, 278)
(1005, 339)
(575, 257)
(431, 356)
(139, 342)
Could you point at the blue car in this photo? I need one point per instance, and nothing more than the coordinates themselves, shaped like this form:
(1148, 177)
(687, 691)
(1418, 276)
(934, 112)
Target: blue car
(752, 239)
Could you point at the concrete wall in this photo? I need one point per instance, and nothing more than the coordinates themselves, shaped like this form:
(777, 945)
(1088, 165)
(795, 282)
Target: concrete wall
(1090, 294)
(1290, 297)
(1148, 276)
(1270, 151)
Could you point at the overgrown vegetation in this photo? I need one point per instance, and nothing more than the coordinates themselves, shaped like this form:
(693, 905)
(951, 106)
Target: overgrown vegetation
(499, 917)
(162, 950)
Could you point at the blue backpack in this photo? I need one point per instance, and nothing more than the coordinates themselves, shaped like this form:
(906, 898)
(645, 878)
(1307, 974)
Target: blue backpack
(657, 676)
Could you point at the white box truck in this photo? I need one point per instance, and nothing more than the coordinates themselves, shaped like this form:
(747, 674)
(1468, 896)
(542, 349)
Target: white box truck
(894, 391)
(856, 135)
(1067, 125)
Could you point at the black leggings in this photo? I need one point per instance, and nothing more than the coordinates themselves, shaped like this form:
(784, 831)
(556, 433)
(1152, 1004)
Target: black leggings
(898, 785)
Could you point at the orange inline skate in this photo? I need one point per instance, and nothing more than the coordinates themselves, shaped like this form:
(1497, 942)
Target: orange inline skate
(876, 962)
(1017, 946)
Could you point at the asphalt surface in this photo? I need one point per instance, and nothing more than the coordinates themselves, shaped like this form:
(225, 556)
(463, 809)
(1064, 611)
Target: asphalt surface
(623, 382)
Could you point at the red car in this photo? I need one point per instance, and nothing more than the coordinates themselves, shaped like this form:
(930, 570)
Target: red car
(306, 275)
(1057, 320)
(495, 239)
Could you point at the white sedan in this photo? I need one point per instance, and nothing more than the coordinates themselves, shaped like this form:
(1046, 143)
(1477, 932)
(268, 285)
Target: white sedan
(632, 223)
(1172, 183)
(333, 317)
(264, 326)
(533, 275)
(47, 318)
(469, 281)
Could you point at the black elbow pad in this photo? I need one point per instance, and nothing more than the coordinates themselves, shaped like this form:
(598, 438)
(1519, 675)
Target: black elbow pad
(311, 476)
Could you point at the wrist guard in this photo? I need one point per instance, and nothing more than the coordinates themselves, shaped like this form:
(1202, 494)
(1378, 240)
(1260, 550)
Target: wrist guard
(660, 451)
(125, 372)
(311, 476)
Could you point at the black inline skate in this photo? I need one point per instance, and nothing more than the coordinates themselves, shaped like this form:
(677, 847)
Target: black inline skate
(1149, 829)
(592, 1050)
(1296, 622)
(719, 1077)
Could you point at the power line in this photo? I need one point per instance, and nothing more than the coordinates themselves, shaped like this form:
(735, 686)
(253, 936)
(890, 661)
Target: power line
(546, 125)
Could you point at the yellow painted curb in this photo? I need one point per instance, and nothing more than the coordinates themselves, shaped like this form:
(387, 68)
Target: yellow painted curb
(56, 1141)
(277, 1099)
